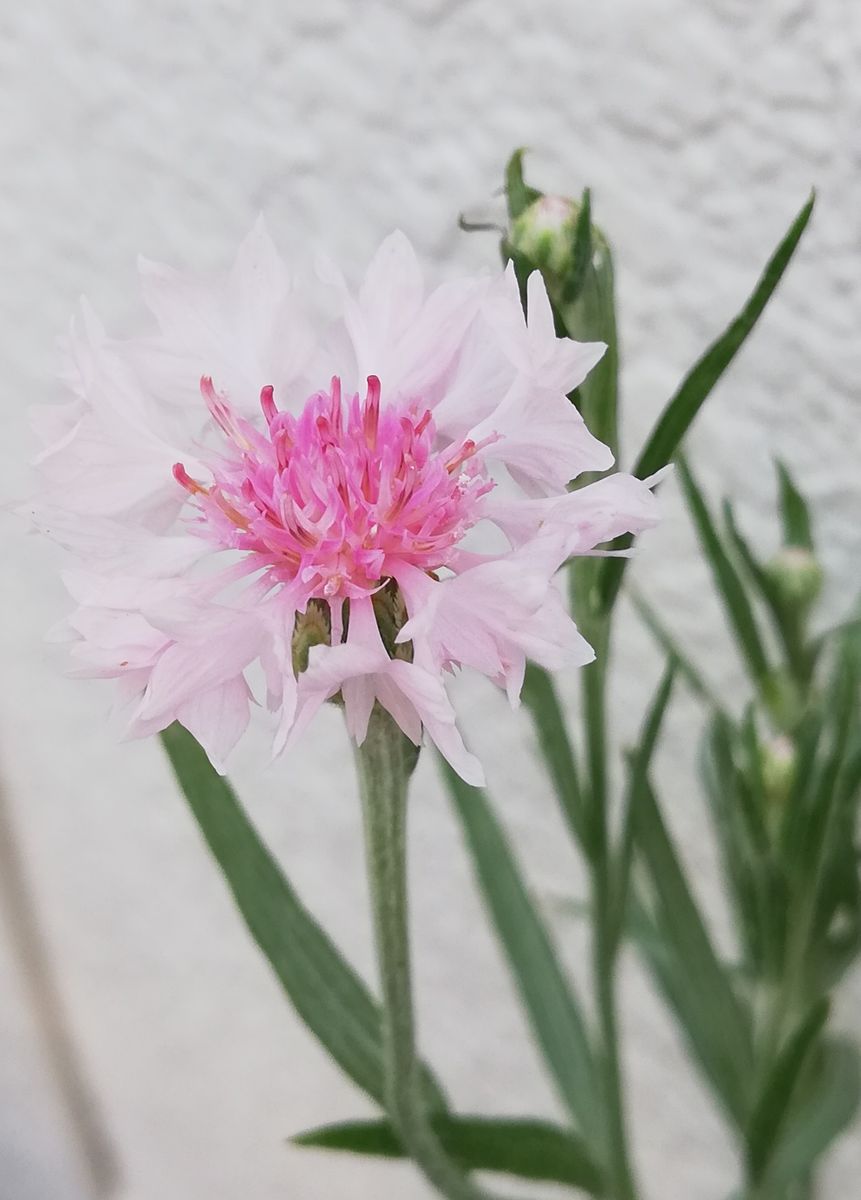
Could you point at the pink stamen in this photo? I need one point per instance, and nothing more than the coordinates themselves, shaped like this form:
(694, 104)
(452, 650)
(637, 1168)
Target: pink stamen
(183, 478)
(332, 500)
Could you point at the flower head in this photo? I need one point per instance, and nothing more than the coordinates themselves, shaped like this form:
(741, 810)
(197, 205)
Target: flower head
(243, 500)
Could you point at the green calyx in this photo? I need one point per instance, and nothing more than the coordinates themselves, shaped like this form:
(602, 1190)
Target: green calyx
(314, 626)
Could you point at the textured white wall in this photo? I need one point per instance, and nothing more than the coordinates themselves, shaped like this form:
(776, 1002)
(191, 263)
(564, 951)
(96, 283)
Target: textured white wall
(164, 128)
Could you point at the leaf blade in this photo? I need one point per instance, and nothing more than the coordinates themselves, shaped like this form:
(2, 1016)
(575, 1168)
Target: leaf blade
(823, 1116)
(795, 514)
(518, 194)
(773, 1104)
(682, 408)
(689, 971)
(736, 604)
(539, 696)
(527, 1148)
(327, 993)
(550, 1004)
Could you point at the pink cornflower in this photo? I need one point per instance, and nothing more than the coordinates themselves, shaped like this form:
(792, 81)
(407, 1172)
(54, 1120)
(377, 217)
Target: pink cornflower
(247, 499)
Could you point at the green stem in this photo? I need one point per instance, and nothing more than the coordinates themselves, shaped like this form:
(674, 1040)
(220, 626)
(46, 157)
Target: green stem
(604, 956)
(384, 763)
(604, 941)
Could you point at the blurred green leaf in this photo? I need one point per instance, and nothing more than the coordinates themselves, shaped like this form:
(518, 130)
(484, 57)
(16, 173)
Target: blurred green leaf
(751, 563)
(794, 512)
(827, 1109)
(684, 665)
(799, 658)
(824, 824)
(774, 1102)
(518, 194)
(527, 1148)
(679, 413)
(689, 972)
(740, 869)
(551, 1006)
(325, 990)
(591, 317)
(581, 255)
(639, 764)
(539, 696)
(736, 603)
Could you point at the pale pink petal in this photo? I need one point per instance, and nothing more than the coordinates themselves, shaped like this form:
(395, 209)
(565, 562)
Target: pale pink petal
(427, 694)
(585, 518)
(540, 435)
(223, 649)
(217, 718)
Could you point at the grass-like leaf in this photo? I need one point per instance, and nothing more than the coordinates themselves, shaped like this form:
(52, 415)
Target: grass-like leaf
(518, 194)
(681, 410)
(527, 1148)
(551, 1006)
(639, 765)
(686, 966)
(729, 584)
(581, 254)
(539, 696)
(774, 1102)
(685, 667)
(827, 1109)
(797, 527)
(326, 992)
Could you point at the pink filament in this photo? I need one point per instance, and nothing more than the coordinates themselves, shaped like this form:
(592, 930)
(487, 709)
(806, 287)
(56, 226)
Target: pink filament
(334, 499)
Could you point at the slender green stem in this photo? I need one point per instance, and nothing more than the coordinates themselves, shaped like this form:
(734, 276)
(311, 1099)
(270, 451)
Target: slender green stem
(604, 940)
(604, 958)
(384, 762)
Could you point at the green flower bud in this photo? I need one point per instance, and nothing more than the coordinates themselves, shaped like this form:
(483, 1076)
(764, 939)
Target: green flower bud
(796, 576)
(391, 614)
(544, 233)
(777, 760)
(313, 628)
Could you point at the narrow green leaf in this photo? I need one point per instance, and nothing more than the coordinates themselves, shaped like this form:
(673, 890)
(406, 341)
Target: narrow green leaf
(527, 1148)
(750, 786)
(773, 1105)
(518, 194)
(539, 696)
(748, 559)
(797, 530)
(551, 1006)
(325, 990)
(735, 600)
(720, 783)
(678, 415)
(690, 972)
(591, 317)
(827, 1109)
(793, 827)
(824, 823)
(800, 658)
(581, 255)
(684, 665)
(639, 765)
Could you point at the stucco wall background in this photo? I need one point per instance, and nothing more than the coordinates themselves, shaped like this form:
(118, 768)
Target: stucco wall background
(165, 128)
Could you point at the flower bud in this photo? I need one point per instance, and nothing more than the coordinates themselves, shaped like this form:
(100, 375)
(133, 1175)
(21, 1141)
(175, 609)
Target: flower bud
(313, 628)
(544, 233)
(777, 760)
(391, 613)
(796, 575)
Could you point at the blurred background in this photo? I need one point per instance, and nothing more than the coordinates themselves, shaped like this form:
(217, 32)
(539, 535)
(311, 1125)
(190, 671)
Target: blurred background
(144, 1048)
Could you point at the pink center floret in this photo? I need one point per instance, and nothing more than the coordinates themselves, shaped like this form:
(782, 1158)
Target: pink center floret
(334, 499)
